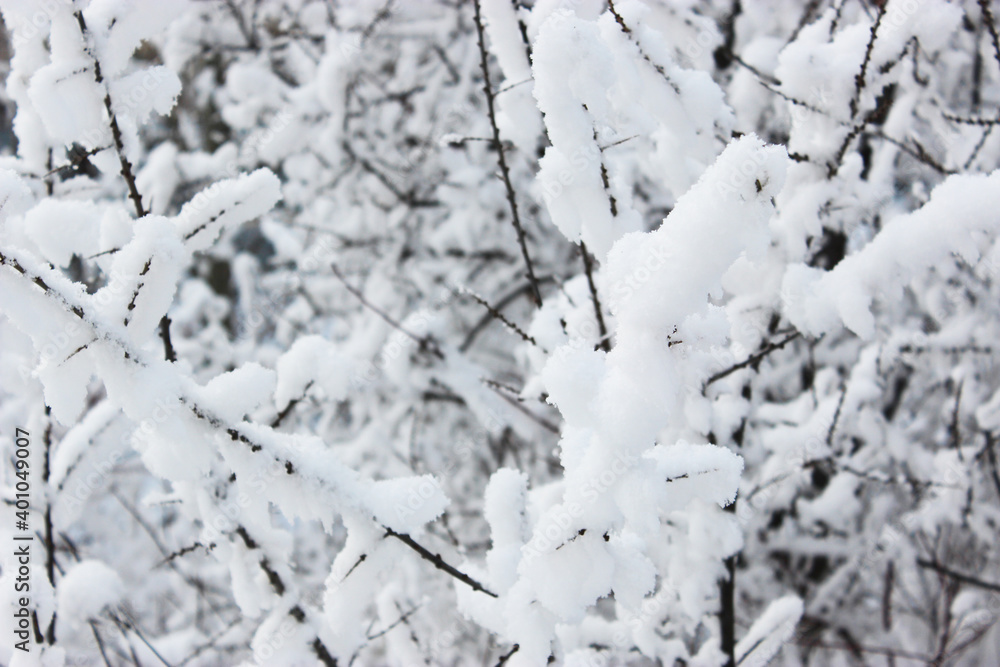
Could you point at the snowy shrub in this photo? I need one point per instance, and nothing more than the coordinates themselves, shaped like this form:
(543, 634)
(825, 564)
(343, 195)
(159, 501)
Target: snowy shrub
(500, 332)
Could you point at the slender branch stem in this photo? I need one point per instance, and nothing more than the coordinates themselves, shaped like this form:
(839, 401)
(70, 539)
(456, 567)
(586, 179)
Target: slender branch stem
(727, 606)
(504, 301)
(991, 26)
(753, 358)
(876, 650)
(588, 267)
(957, 576)
(496, 314)
(168, 347)
(992, 457)
(426, 343)
(50, 546)
(287, 410)
(502, 159)
(507, 656)
(116, 133)
(100, 643)
(437, 561)
(859, 79)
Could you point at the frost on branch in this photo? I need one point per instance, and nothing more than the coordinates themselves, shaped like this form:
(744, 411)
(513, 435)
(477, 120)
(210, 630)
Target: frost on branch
(359, 332)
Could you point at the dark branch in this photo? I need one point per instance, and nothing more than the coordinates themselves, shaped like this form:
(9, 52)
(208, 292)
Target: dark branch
(588, 267)
(502, 159)
(957, 576)
(753, 359)
(426, 343)
(168, 347)
(991, 26)
(497, 315)
(276, 422)
(438, 562)
(507, 656)
(116, 133)
(859, 80)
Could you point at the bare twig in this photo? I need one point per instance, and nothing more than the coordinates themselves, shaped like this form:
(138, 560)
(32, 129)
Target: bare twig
(502, 303)
(125, 624)
(955, 428)
(876, 650)
(859, 80)
(168, 346)
(501, 157)
(963, 120)
(991, 26)
(618, 17)
(116, 132)
(506, 656)
(888, 585)
(497, 315)
(100, 643)
(437, 561)
(50, 545)
(401, 619)
(588, 267)
(753, 358)
(957, 576)
(992, 457)
(287, 410)
(426, 343)
(836, 418)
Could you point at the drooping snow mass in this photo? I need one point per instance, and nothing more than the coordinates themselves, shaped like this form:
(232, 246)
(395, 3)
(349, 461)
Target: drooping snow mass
(88, 587)
(659, 281)
(224, 204)
(957, 220)
(268, 326)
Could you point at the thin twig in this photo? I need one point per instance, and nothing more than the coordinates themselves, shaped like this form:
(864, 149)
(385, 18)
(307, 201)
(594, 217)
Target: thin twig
(502, 159)
(889, 584)
(50, 545)
(859, 80)
(126, 165)
(506, 656)
(100, 643)
(287, 410)
(977, 148)
(116, 133)
(496, 314)
(518, 405)
(588, 267)
(957, 576)
(753, 359)
(877, 650)
(991, 26)
(919, 153)
(504, 301)
(955, 428)
(401, 619)
(992, 456)
(127, 625)
(168, 346)
(961, 120)
(618, 17)
(437, 561)
(426, 343)
(836, 418)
